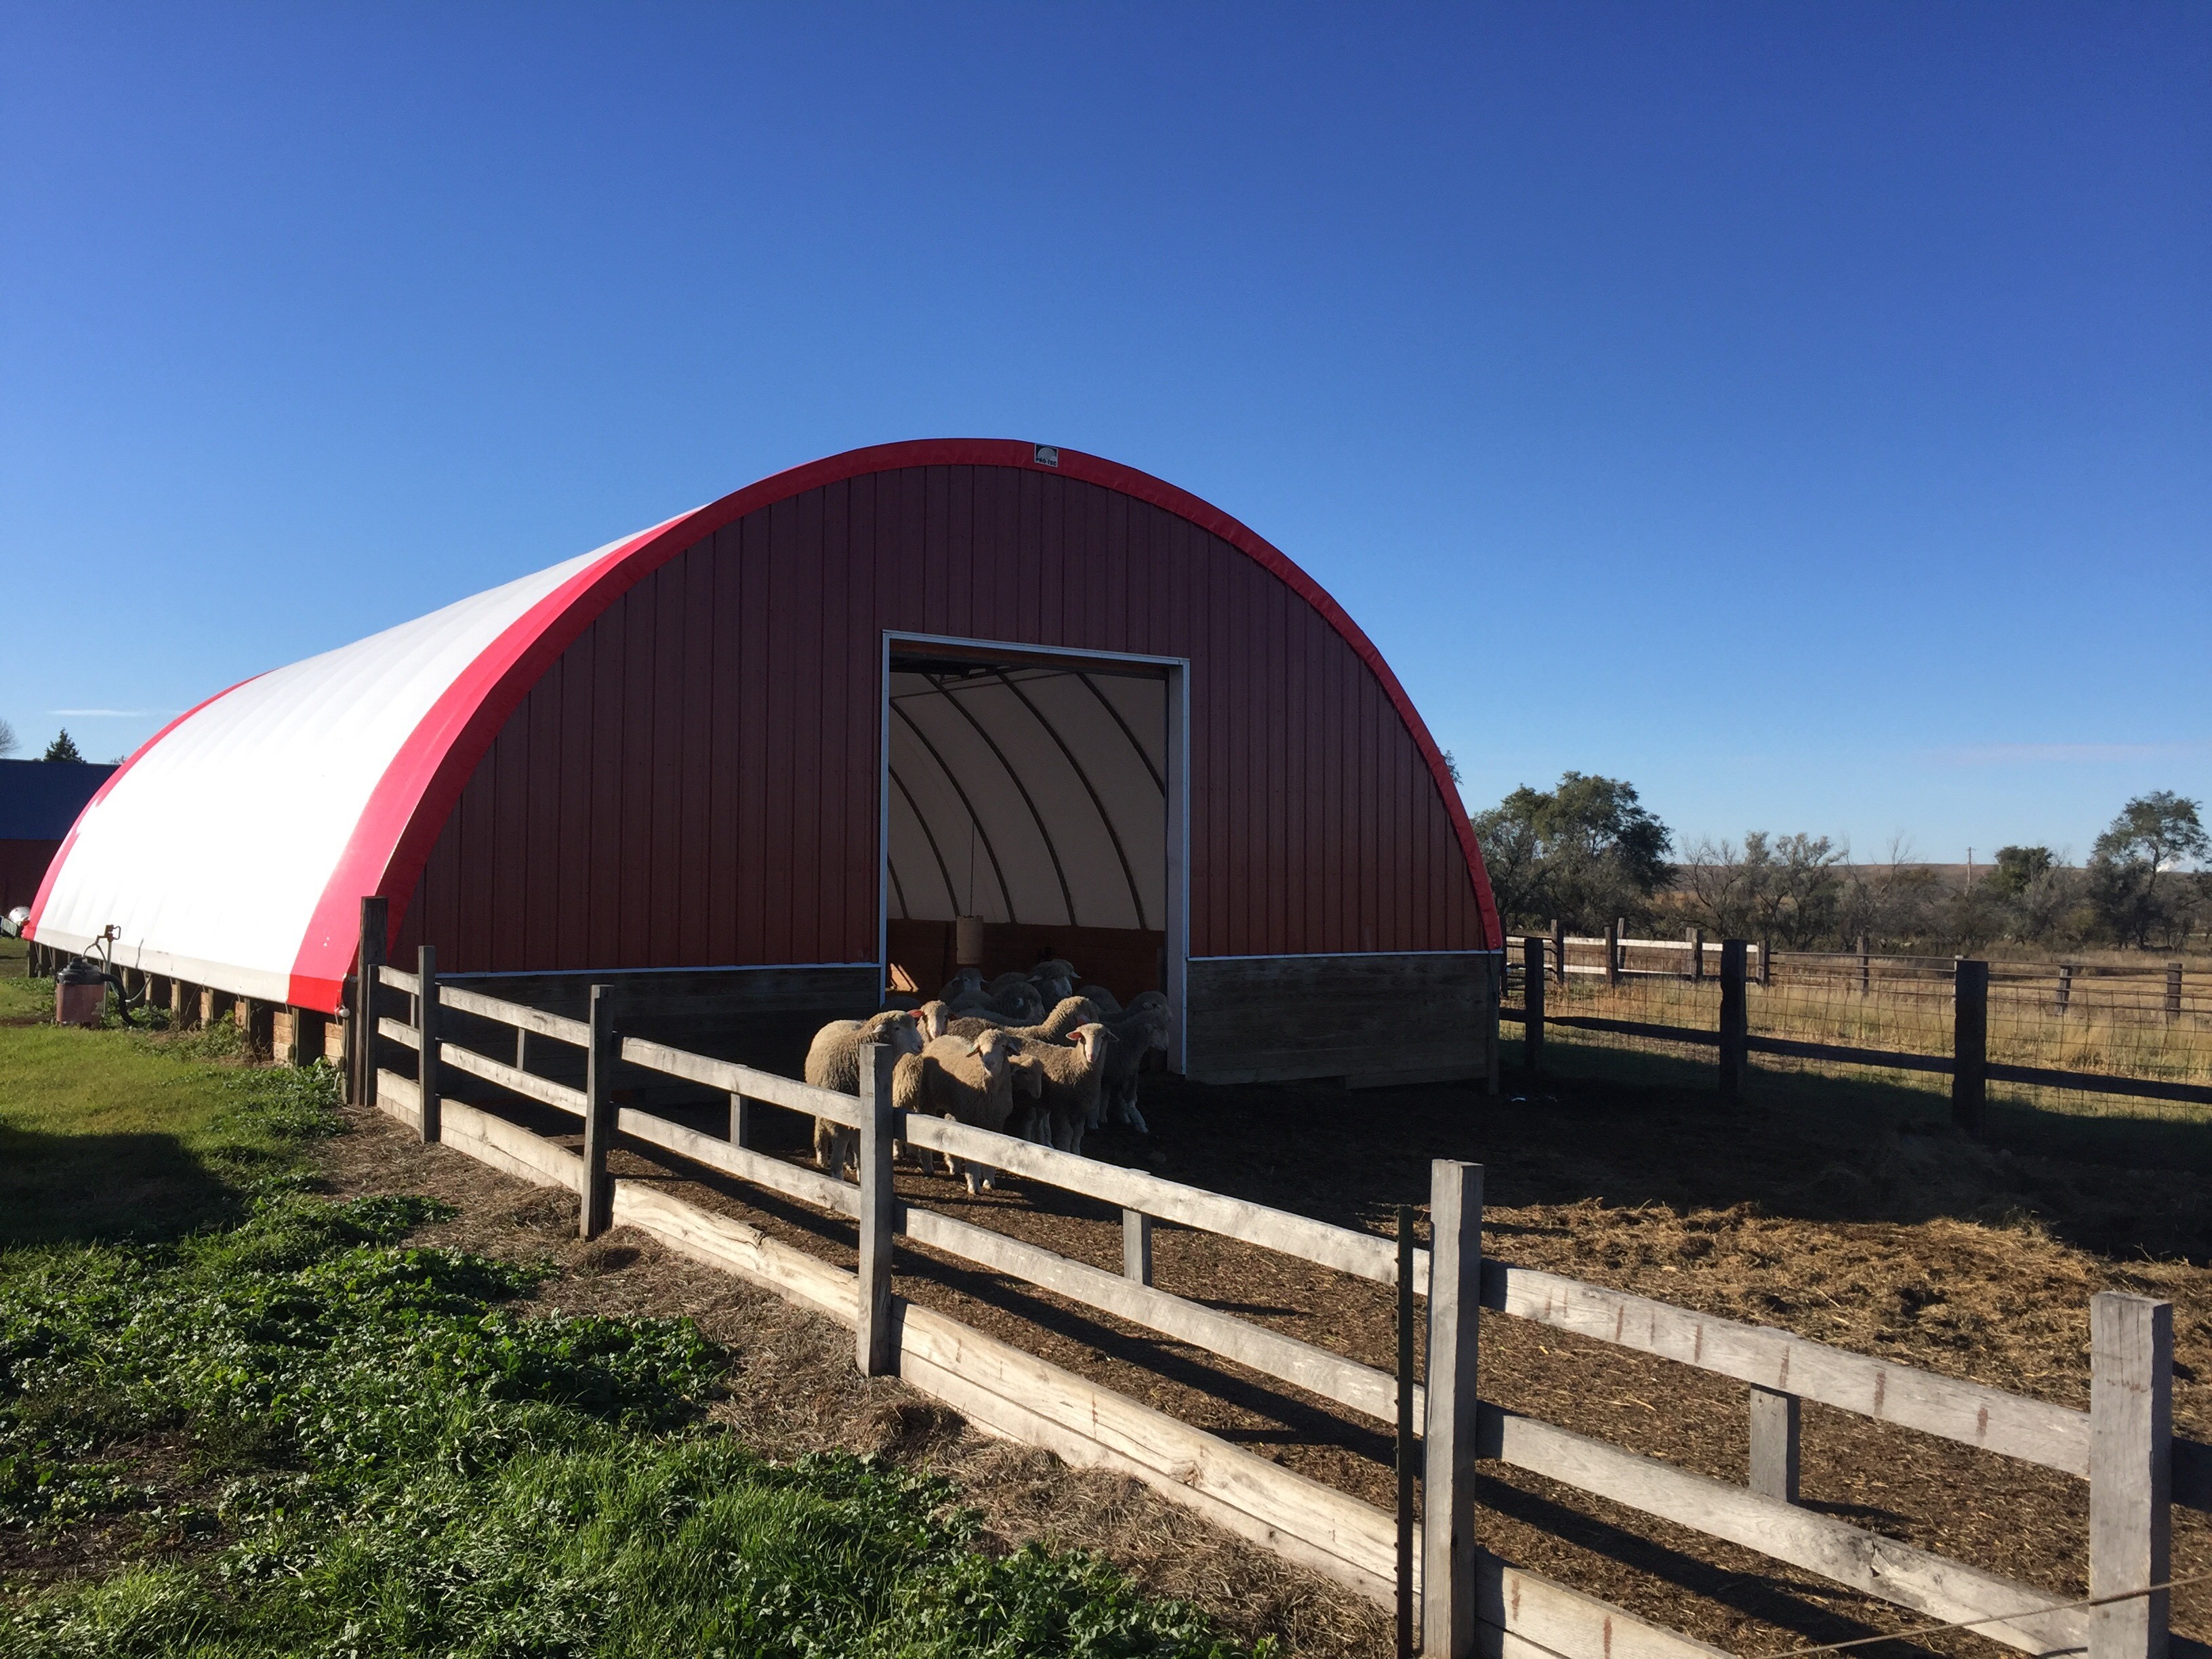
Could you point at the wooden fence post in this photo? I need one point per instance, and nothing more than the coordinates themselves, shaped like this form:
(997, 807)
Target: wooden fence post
(360, 1030)
(741, 1120)
(2065, 997)
(2173, 993)
(1448, 1546)
(1776, 1420)
(874, 1345)
(1767, 962)
(1697, 937)
(2130, 1472)
(1532, 1002)
(1559, 948)
(1612, 953)
(431, 1050)
(1735, 1021)
(1866, 968)
(595, 1209)
(1137, 1246)
(1493, 982)
(1970, 1044)
(1405, 1454)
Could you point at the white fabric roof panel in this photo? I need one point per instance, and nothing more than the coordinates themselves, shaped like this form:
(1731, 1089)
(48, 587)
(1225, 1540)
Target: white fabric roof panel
(234, 848)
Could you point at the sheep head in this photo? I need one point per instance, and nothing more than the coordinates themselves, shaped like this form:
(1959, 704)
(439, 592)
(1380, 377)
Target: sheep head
(897, 1027)
(1092, 1040)
(933, 1018)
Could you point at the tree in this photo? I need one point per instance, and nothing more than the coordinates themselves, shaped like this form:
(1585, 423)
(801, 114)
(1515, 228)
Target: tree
(2017, 869)
(1779, 888)
(2152, 836)
(1586, 852)
(62, 748)
(9, 744)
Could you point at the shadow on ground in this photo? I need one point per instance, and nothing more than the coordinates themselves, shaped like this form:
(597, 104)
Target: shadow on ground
(74, 1189)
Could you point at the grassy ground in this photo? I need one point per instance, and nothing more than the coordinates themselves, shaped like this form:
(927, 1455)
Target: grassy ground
(239, 1418)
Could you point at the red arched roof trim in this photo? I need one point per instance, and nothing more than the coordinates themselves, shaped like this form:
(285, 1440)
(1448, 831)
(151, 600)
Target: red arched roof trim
(392, 843)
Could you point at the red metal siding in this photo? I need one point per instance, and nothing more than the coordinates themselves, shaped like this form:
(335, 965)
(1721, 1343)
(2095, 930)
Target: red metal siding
(693, 782)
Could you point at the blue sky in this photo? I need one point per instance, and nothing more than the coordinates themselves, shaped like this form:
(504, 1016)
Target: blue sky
(1802, 412)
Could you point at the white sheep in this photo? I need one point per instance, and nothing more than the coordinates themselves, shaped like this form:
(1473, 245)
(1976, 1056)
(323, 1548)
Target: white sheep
(1068, 1014)
(966, 979)
(833, 1061)
(1105, 999)
(1068, 1082)
(1019, 1004)
(969, 1082)
(934, 1017)
(1135, 1035)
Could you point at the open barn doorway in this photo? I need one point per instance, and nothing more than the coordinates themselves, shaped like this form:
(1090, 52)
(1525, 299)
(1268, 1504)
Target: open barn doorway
(1044, 793)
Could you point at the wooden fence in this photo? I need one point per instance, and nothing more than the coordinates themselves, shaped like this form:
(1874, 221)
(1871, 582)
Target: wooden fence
(1614, 957)
(1470, 1601)
(1968, 1064)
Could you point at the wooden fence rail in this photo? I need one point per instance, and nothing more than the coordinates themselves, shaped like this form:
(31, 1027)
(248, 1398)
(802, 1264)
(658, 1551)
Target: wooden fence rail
(1968, 1065)
(1470, 1602)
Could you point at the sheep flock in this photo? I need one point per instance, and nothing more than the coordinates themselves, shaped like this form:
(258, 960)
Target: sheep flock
(1034, 1054)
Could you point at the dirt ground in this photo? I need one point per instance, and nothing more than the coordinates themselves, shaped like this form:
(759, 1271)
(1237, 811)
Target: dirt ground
(1837, 1214)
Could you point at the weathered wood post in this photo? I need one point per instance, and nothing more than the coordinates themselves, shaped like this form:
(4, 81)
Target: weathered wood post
(741, 1119)
(360, 1030)
(1735, 1021)
(1612, 953)
(1559, 948)
(595, 1209)
(2065, 997)
(1137, 1246)
(2173, 993)
(1406, 1456)
(1697, 939)
(1447, 1548)
(430, 1041)
(2130, 1472)
(1767, 962)
(874, 1346)
(1970, 1044)
(1493, 986)
(1532, 1002)
(1775, 1425)
(1866, 968)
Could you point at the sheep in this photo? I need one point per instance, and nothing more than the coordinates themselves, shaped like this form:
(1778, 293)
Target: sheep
(1000, 981)
(1133, 1036)
(933, 1018)
(1053, 988)
(1102, 997)
(971, 1082)
(1054, 968)
(1019, 1004)
(833, 1061)
(1068, 1081)
(1068, 1014)
(967, 980)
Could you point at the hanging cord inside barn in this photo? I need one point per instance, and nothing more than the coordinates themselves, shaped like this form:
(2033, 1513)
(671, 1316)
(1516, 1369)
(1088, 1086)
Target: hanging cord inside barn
(1999, 1618)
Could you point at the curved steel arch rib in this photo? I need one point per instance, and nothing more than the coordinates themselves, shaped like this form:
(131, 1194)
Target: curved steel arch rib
(1052, 849)
(1105, 818)
(952, 782)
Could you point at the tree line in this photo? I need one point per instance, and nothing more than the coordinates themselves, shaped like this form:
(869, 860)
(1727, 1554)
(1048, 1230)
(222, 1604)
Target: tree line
(1587, 852)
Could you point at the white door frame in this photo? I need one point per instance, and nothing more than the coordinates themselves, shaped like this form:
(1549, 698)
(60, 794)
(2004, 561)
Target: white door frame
(1176, 774)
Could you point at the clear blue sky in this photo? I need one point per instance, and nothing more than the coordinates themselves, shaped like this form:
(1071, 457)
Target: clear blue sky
(1804, 412)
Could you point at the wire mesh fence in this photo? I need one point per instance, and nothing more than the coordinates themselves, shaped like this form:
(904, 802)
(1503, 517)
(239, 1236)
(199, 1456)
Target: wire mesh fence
(2151, 1022)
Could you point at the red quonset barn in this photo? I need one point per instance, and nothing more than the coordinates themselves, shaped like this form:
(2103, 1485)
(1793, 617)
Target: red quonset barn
(749, 765)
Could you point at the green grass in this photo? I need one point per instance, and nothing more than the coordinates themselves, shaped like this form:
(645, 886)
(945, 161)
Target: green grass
(116, 1133)
(262, 1423)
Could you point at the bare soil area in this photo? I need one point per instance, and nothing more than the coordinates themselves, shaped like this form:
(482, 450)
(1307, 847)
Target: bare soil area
(1844, 1219)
